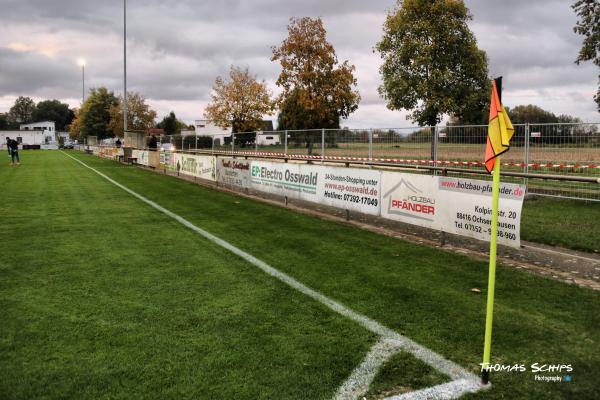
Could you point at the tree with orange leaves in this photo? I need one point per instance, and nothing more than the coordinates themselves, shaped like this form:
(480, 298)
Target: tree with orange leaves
(240, 102)
(317, 90)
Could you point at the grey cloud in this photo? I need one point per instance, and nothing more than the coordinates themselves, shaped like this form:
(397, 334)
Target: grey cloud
(26, 72)
(177, 48)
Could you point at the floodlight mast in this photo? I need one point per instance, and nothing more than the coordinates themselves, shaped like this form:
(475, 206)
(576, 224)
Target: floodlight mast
(81, 62)
(124, 66)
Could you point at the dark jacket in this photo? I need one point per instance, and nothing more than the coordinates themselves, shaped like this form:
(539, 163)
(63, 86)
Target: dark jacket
(153, 143)
(14, 145)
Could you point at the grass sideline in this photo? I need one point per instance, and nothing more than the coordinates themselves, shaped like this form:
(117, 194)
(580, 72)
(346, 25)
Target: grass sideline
(567, 223)
(102, 315)
(105, 298)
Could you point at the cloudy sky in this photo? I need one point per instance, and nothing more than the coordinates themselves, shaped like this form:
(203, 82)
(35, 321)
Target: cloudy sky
(176, 48)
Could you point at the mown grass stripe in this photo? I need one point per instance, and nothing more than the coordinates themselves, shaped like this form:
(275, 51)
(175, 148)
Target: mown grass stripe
(464, 381)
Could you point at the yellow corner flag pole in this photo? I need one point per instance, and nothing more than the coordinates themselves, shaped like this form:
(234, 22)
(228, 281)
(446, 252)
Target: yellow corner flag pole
(487, 346)
(500, 131)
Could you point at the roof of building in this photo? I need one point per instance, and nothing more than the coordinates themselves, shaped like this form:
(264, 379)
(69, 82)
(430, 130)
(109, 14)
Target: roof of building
(38, 122)
(155, 131)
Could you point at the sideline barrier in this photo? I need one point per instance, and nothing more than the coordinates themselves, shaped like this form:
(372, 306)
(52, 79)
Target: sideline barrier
(459, 206)
(453, 205)
(346, 188)
(199, 166)
(233, 172)
(153, 159)
(108, 152)
(141, 156)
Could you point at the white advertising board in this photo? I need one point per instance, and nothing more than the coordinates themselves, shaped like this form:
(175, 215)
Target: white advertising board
(166, 159)
(350, 188)
(141, 155)
(285, 179)
(195, 165)
(346, 188)
(233, 172)
(453, 205)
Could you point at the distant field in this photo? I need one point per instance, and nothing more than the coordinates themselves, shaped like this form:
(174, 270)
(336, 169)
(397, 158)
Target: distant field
(105, 297)
(446, 151)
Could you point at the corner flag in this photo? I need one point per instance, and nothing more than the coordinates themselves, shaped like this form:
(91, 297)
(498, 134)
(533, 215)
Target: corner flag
(500, 131)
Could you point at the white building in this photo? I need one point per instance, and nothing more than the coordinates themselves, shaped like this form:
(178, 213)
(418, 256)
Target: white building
(47, 129)
(267, 139)
(37, 133)
(46, 126)
(204, 127)
(27, 138)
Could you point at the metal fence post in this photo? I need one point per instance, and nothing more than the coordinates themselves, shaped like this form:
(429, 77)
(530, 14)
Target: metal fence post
(256, 142)
(196, 146)
(370, 144)
(285, 143)
(526, 166)
(432, 131)
(232, 142)
(322, 144)
(435, 145)
(212, 144)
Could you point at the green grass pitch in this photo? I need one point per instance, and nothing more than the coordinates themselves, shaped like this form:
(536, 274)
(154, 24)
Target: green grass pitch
(105, 297)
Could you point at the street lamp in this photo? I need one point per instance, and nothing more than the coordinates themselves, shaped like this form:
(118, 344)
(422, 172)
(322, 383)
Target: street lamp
(124, 66)
(81, 62)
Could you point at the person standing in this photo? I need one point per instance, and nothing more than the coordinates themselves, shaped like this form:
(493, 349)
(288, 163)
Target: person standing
(8, 147)
(14, 152)
(153, 143)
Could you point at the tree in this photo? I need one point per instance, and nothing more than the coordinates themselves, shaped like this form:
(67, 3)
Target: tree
(239, 102)
(561, 129)
(292, 114)
(75, 127)
(139, 114)
(588, 26)
(317, 90)
(21, 112)
(171, 124)
(54, 110)
(94, 115)
(4, 125)
(568, 119)
(530, 113)
(431, 62)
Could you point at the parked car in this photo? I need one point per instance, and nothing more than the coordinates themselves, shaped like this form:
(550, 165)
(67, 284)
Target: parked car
(166, 147)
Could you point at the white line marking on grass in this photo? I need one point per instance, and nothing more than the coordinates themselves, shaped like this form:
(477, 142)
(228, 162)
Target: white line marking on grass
(357, 384)
(463, 380)
(450, 390)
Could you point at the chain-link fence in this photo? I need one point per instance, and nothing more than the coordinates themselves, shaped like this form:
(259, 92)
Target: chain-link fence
(571, 149)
